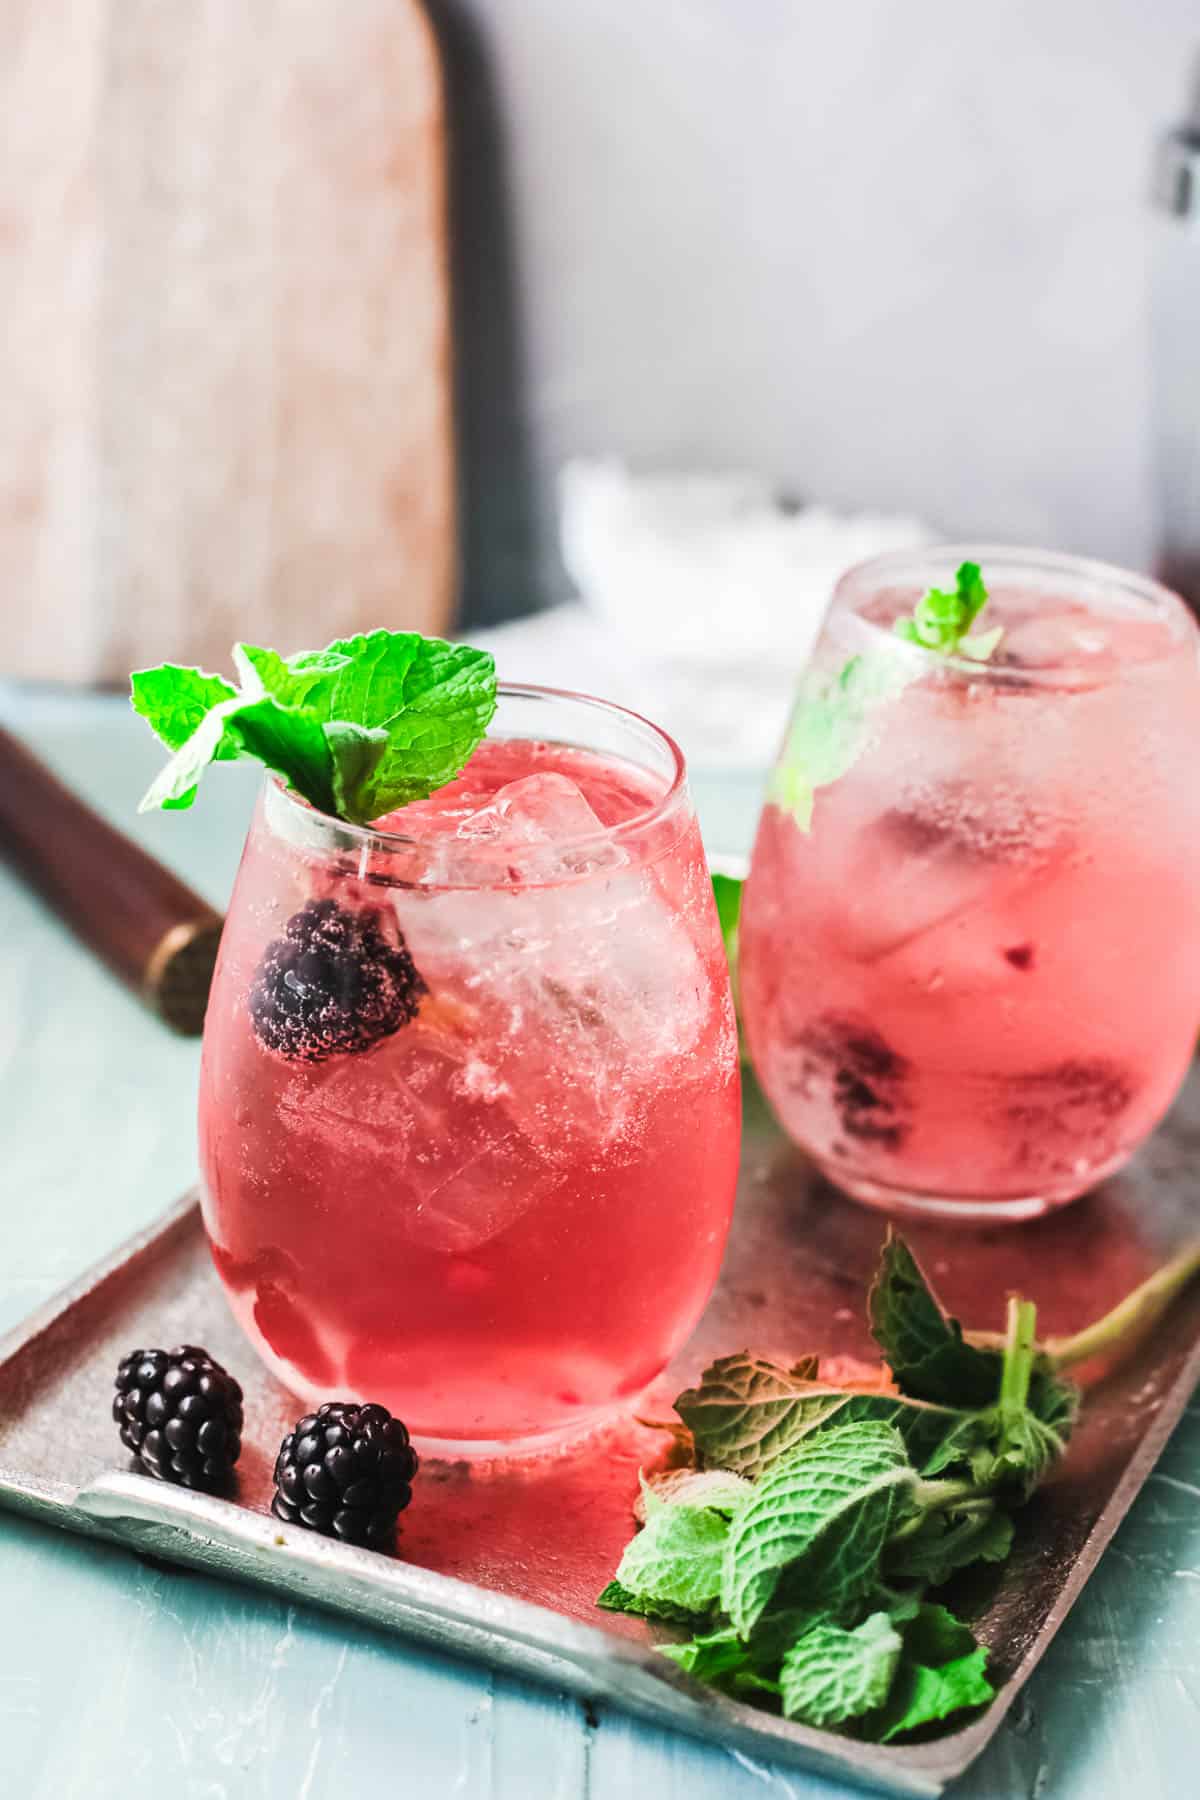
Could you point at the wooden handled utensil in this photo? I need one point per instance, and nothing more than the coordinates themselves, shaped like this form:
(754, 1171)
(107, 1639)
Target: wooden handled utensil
(157, 935)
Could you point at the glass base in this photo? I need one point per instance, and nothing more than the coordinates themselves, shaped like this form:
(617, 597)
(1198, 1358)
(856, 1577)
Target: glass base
(547, 1443)
(311, 1395)
(954, 1209)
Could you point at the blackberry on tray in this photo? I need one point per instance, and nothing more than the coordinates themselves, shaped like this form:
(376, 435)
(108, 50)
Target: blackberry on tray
(345, 1471)
(180, 1413)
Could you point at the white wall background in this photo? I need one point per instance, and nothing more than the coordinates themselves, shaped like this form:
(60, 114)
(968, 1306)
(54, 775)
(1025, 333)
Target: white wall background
(893, 252)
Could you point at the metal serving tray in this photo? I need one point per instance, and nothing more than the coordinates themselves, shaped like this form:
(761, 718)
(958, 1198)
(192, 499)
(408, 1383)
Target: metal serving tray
(504, 1561)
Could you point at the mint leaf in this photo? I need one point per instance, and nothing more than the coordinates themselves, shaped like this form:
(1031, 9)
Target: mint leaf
(1016, 1414)
(971, 1445)
(901, 1608)
(942, 1670)
(923, 1425)
(1003, 1448)
(1028, 1448)
(1013, 1450)
(355, 752)
(980, 645)
(289, 743)
(175, 700)
(1053, 1399)
(941, 621)
(616, 1598)
(748, 1412)
(831, 1675)
(719, 1489)
(823, 1514)
(832, 723)
(748, 1683)
(712, 1656)
(923, 1347)
(727, 892)
(742, 1664)
(360, 728)
(934, 1636)
(677, 1557)
(947, 1542)
(1011, 1445)
(778, 1630)
(267, 670)
(435, 700)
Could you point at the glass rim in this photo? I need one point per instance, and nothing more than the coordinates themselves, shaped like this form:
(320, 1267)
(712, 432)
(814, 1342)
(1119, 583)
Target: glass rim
(341, 834)
(1147, 592)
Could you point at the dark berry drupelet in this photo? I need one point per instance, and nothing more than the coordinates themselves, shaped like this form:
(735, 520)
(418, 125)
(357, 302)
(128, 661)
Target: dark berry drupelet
(333, 984)
(181, 1415)
(868, 1078)
(345, 1470)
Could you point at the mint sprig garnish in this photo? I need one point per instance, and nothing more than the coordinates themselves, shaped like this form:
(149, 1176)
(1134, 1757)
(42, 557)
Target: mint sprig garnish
(835, 716)
(942, 619)
(801, 1551)
(366, 725)
(832, 723)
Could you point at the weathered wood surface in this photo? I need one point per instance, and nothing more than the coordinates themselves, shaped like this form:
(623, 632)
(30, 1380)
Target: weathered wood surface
(225, 354)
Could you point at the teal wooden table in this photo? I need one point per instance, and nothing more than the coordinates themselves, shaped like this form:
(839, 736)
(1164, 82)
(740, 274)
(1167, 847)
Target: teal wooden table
(122, 1679)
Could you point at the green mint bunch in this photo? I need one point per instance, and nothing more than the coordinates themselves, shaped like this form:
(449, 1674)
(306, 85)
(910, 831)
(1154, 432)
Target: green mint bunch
(942, 620)
(368, 724)
(801, 1548)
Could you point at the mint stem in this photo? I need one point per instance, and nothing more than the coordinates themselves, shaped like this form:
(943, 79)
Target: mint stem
(936, 1496)
(1020, 1358)
(1131, 1317)
(1122, 1327)
(941, 1496)
(1020, 1351)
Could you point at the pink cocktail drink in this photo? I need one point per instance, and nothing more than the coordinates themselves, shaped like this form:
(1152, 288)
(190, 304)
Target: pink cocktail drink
(491, 1186)
(971, 978)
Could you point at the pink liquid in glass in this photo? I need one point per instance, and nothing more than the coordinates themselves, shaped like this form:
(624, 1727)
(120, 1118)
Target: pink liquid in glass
(503, 1218)
(973, 984)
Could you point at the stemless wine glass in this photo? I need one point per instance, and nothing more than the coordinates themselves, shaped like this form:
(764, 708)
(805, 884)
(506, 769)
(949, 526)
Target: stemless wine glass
(970, 944)
(470, 1111)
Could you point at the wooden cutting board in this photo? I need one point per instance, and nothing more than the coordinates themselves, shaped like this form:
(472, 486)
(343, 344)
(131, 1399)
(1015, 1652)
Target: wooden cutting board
(225, 345)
